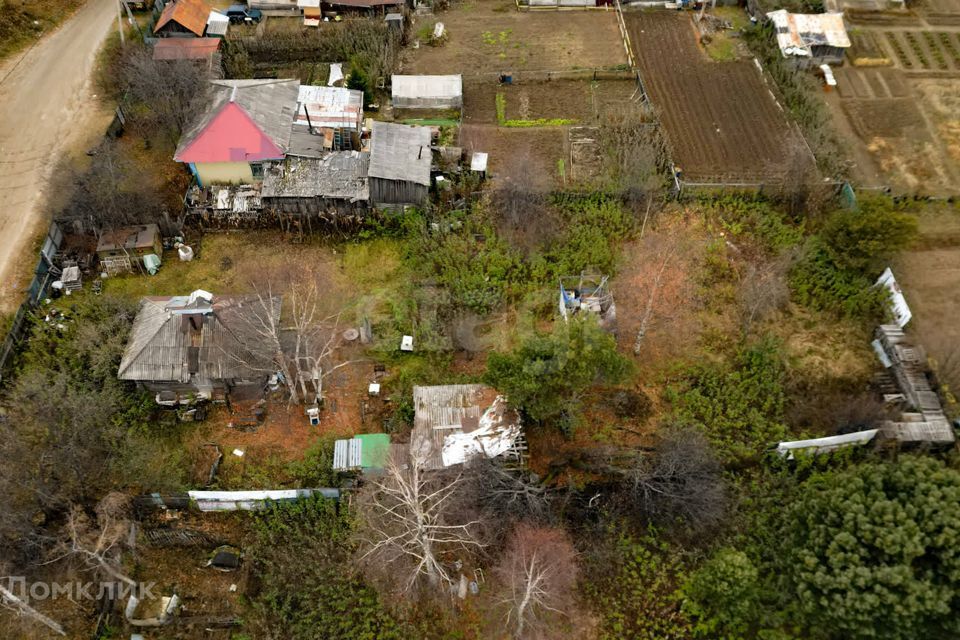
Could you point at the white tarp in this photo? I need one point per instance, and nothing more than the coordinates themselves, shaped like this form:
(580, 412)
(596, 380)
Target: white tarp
(336, 74)
(217, 24)
(250, 500)
(898, 304)
(822, 445)
(420, 92)
(495, 435)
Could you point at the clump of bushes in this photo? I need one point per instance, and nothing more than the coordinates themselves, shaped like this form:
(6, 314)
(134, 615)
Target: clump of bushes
(842, 261)
(739, 406)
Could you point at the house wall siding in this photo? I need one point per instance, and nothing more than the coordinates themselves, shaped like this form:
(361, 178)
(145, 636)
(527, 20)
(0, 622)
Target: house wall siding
(223, 173)
(384, 191)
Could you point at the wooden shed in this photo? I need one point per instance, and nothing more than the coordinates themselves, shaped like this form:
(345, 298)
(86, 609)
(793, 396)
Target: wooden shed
(119, 250)
(400, 160)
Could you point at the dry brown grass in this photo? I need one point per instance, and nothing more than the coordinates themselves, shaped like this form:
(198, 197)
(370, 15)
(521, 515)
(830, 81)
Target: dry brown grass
(23, 22)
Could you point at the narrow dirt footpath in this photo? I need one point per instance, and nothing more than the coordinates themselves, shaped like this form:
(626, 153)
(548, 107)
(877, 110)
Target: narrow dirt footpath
(46, 105)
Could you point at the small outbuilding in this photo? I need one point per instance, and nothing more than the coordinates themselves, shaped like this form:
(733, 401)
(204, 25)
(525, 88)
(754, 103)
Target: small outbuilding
(183, 19)
(217, 25)
(427, 92)
(123, 249)
(366, 452)
(400, 161)
(335, 183)
(810, 39)
(457, 422)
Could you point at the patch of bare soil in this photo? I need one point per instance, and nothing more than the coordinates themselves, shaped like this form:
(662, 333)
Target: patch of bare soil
(541, 149)
(887, 118)
(929, 274)
(491, 36)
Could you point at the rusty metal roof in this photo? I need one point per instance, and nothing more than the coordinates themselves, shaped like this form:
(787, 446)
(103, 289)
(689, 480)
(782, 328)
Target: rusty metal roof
(190, 14)
(185, 48)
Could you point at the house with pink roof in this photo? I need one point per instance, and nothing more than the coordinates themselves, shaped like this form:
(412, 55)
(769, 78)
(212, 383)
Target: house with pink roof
(244, 126)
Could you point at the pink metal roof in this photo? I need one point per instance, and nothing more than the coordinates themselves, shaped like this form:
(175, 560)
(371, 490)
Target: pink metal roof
(230, 136)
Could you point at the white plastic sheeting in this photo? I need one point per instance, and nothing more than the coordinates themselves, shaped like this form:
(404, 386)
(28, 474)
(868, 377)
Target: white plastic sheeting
(898, 304)
(427, 92)
(823, 445)
(251, 500)
(495, 435)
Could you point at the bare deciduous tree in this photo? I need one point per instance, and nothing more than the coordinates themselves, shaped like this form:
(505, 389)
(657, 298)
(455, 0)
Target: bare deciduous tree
(302, 346)
(539, 574)
(110, 193)
(99, 543)
(409, 526)
(763, 290)
(680, 479)
(503, 495)
(170, 91)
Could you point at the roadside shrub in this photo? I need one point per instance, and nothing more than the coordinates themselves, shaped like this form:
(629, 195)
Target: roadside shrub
(738, 406)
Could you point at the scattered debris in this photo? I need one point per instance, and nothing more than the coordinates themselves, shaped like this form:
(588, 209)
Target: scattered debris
(225, 558)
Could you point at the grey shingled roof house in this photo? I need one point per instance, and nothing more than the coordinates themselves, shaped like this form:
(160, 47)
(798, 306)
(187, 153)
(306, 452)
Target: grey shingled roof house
(198, 343)
(400, 160)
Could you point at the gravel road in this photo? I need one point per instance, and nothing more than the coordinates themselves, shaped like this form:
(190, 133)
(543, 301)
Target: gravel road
(46, 105)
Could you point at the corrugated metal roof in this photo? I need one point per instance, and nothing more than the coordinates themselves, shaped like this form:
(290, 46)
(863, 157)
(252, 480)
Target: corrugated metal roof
(185, 48)
(375, 450)
(438, 439)
(347, 454)
(427, 86)
(244, 120)
(822, 445)
(335, 107)
(226, 342)
(248, 500)
(217, 24)
(190, 14)
(798, 32)
(400, 152)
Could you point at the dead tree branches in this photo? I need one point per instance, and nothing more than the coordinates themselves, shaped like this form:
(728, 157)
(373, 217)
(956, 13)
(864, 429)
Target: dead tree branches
(763, 290)
(409, 527)
(10, 601)
(539, 573)
(301, 347)
(503, 495)
(680, 480)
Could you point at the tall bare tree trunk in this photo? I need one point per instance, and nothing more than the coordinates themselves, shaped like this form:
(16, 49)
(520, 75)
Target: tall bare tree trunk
(22, 608)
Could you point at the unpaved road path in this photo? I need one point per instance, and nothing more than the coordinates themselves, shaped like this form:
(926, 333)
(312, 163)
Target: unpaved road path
(46, 105)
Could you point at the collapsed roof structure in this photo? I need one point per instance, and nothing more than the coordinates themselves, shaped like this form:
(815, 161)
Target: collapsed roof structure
(924, 421)
(454, 423)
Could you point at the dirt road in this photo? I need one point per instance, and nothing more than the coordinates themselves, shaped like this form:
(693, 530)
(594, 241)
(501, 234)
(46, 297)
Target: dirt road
(46, 106)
